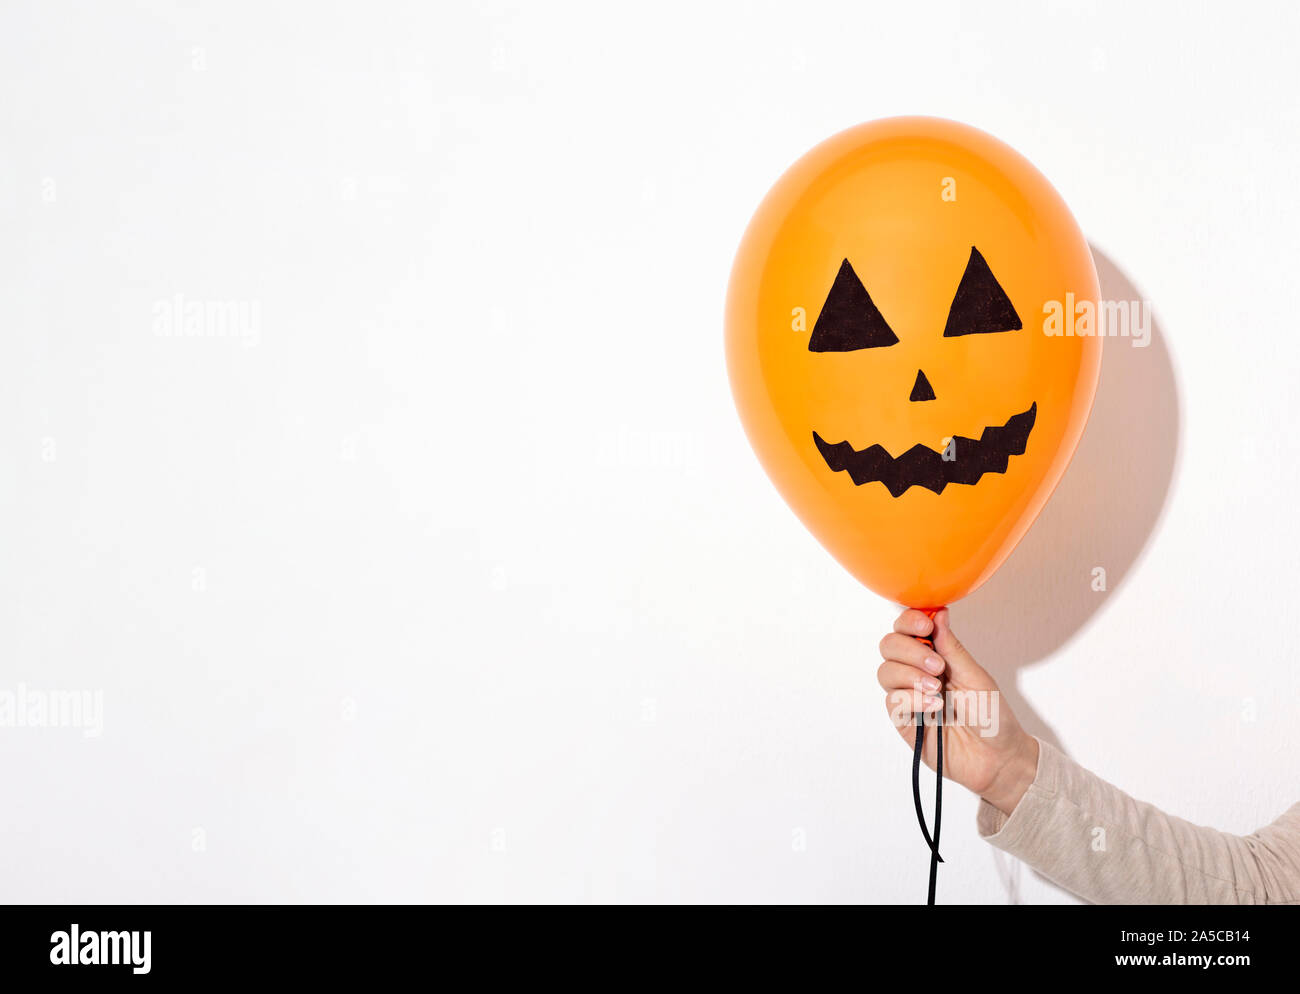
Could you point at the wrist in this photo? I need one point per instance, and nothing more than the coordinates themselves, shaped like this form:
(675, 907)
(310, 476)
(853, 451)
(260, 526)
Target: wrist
(1015, 776)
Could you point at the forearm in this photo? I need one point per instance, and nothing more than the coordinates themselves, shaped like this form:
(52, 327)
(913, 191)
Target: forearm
(1098, 842)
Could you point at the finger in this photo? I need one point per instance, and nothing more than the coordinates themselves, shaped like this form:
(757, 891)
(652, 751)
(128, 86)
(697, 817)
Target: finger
(913, 622)
(894, 675)
(961, 663)
(903, 706)
(950, 647)
(908, 650)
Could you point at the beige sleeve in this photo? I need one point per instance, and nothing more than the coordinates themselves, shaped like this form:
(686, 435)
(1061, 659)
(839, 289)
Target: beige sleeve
(1093, 839)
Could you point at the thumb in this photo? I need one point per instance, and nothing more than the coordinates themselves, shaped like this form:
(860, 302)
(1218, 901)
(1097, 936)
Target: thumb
(961, 663)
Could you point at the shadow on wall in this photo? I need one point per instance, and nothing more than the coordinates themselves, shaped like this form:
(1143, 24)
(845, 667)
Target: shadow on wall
(1103, 511)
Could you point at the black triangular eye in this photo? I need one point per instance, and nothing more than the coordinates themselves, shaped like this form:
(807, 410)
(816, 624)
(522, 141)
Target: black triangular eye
(980, 306)
(849, 320)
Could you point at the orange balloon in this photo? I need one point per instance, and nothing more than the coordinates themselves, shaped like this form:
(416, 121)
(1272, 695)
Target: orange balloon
(913, 346)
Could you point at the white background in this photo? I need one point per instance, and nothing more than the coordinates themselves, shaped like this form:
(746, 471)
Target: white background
(460, 582)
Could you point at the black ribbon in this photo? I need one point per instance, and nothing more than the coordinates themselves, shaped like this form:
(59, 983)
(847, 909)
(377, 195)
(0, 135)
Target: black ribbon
(932, 844)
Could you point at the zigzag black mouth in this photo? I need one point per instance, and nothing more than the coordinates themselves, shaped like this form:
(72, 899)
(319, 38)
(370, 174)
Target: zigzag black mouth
(923, 467)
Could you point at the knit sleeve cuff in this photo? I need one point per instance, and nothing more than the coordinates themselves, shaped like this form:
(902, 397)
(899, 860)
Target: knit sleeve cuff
(1011, 832)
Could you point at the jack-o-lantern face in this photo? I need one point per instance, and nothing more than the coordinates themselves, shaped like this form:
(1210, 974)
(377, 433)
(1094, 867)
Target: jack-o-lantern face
(888, 355)
(850, 321)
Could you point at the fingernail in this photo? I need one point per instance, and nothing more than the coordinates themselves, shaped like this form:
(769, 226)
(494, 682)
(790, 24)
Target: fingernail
(934, 664)
(930, 684)
(932, 703)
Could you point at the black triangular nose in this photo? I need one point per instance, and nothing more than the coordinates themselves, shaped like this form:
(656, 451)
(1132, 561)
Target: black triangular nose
(921, 389)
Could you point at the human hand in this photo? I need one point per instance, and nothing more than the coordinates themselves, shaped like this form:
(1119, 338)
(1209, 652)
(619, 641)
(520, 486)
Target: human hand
(984, 747)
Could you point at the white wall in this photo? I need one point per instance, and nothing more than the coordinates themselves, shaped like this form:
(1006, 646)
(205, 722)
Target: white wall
(493, 602)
